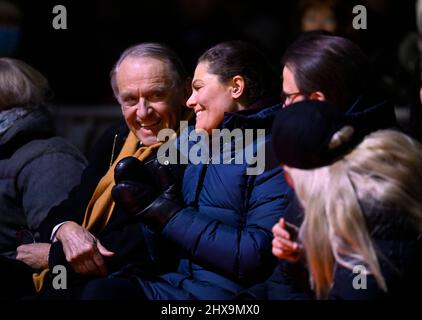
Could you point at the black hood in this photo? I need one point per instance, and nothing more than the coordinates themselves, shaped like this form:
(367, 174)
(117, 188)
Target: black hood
(370, 114)
(38, 124)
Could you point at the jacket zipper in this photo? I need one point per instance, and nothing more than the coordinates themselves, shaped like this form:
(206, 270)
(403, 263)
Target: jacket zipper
(112, 150)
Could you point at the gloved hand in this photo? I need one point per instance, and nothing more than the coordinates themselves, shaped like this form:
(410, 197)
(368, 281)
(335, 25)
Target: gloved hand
(153, 199)
(135, 186)
(166, 205)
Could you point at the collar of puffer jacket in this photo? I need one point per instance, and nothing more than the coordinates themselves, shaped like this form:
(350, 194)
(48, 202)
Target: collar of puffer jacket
(369, 114)
(259, 116)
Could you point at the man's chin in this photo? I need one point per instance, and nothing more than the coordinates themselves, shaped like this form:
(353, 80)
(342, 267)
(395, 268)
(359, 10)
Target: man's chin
(147, 138)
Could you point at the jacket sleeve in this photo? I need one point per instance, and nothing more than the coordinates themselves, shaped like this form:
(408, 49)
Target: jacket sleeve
(73, 207)
(289, 281)
(243, 251)
(46, 181)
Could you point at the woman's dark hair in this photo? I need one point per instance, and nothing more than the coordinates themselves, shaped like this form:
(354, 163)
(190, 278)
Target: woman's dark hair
(333, 65)
(239, 58)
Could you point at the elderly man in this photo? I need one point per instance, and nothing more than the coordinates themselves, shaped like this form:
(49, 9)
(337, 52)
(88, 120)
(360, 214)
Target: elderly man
(88, 230)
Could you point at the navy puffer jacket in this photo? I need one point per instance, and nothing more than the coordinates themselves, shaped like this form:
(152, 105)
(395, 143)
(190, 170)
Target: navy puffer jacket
(225, 230)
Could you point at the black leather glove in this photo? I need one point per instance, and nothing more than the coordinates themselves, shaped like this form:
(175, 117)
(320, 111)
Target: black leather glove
(153, 199)
(166, 205)
(135, 187)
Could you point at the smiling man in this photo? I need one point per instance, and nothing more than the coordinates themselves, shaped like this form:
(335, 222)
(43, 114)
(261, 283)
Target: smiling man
(145, 92)
(88, 232)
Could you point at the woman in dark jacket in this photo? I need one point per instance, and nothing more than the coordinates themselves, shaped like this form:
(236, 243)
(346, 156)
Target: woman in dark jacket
(222, 224)
(37, 168)
(332, 69)
(362, 232)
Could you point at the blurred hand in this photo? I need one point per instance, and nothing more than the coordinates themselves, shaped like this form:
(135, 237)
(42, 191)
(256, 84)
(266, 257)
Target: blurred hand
(82, 250)
(34, 255)
(283, 247)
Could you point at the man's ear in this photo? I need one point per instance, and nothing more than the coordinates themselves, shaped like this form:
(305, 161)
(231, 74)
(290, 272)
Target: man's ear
(237, 86)
(317, 95)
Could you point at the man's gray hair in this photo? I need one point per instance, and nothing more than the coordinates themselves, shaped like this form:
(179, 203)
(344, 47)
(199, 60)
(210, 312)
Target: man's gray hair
(157, 51)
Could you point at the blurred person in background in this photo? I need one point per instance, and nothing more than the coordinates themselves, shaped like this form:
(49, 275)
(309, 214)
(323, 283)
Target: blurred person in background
(316, 15)
(37, 170)
(10, 28)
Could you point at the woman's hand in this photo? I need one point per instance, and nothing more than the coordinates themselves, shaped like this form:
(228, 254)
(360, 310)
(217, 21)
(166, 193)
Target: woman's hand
(283, 246)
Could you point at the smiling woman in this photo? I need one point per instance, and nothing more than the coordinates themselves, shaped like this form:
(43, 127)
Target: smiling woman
(223, 219)
(228, 78)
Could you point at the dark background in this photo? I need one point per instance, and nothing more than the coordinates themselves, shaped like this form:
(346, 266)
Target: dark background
(77, 61)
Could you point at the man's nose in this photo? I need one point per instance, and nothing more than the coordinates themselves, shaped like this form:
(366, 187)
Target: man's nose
(142, 108)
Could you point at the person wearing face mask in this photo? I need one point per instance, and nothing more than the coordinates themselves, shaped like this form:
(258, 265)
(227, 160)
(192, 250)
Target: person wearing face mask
(88, 232)
(222, 218)
(10, 17)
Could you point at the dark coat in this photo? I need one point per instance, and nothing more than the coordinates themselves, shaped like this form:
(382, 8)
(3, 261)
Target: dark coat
(399, 251)
(37, 171)
(131, 242)
(225, 230)
(290, 281)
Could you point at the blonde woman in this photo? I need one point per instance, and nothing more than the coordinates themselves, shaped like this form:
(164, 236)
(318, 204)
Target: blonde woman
(361, 235)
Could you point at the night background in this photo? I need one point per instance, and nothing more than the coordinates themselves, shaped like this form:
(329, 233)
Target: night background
(77, 61)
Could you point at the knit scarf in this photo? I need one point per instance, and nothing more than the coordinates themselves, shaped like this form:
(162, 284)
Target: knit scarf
(101, 206)
(10, 116)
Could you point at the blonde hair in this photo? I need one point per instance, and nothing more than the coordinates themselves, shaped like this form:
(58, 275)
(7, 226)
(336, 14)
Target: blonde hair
(385, 168)
(21, 85)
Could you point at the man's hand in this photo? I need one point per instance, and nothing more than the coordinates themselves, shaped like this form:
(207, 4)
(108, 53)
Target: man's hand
(34, 255)
(82, 250)
(140, 200)
(135, 187)
(284, 247)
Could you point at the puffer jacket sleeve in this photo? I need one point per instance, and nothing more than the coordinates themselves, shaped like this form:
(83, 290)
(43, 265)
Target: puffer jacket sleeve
(243, 251)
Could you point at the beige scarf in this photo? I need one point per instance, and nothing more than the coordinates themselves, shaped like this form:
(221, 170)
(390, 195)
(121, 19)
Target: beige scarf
(101, 205)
